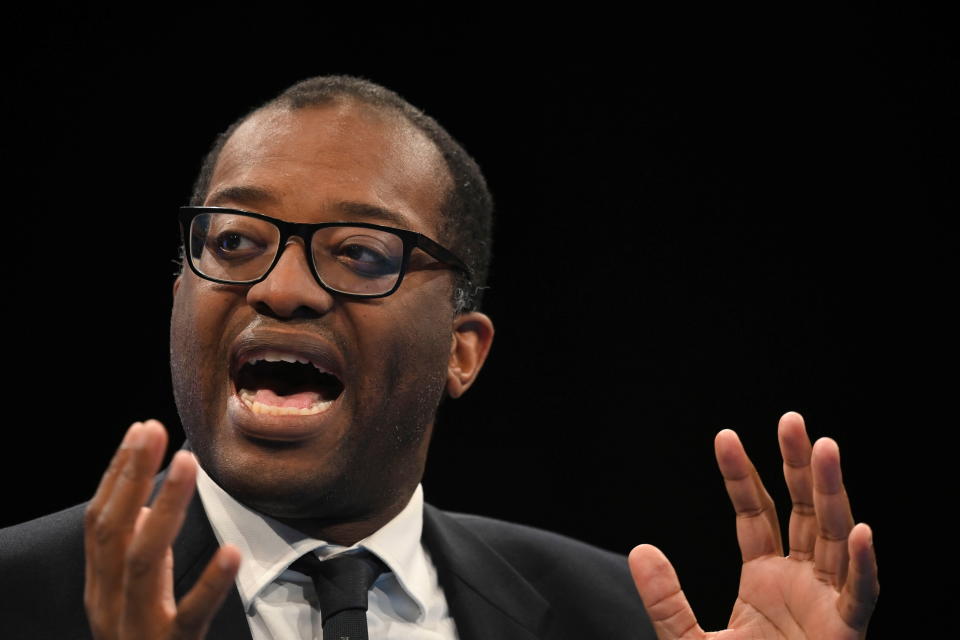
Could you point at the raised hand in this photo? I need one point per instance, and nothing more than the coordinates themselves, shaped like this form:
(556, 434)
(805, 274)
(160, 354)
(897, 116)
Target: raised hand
(129, 563)
(824, 589)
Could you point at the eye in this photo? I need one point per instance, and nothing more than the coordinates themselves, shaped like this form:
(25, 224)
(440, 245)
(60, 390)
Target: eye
(233, 245)
(366, 260)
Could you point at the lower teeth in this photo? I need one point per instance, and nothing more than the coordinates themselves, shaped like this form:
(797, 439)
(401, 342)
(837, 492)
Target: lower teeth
(271, 410)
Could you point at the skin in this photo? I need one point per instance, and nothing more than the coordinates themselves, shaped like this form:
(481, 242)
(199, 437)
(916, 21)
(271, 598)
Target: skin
(339, 477)
(358, 469)
(825, 587)
(342, 476)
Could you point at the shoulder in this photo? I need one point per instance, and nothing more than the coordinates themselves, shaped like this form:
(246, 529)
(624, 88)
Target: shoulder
(586, 587)
(42, 562)
(55, 538)
(541, 551)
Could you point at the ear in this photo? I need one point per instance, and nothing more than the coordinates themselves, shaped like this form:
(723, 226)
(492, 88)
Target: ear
(472, 337)
(176, 284)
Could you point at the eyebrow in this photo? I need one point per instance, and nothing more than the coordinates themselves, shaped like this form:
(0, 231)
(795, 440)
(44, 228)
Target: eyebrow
(250, 196)
(246, 195)
(373, 212)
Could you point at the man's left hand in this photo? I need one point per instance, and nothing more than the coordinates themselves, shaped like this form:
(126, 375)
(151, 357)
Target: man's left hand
(824, 589)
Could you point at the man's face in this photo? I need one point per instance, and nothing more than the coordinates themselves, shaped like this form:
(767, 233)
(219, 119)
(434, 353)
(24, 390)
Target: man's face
(363, 452)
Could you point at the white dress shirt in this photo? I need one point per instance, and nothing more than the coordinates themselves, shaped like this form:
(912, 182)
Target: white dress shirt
(405, 602)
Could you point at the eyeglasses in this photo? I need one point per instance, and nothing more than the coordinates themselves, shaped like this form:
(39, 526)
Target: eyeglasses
(358, 259)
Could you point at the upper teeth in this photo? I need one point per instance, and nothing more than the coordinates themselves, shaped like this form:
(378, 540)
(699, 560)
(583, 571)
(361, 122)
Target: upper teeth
(279, 356)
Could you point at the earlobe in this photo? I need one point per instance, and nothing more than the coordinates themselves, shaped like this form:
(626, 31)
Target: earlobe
(176, 284)
(470, 344)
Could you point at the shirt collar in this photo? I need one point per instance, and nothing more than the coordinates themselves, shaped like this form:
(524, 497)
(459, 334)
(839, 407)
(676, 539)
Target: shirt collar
(268, 546)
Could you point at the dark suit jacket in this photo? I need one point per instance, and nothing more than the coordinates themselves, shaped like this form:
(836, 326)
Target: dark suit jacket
(502, 581)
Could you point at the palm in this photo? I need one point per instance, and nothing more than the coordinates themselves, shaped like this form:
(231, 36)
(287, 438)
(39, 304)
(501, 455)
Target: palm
(824, 589)
(778, 599)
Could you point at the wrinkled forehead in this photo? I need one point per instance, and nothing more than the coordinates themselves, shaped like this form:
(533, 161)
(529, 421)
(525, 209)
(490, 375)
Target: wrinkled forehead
(343, 149)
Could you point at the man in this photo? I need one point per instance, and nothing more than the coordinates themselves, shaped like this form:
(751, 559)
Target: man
(329, 302)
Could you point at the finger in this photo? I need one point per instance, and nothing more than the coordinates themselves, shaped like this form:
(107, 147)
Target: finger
(109, 478)
(141, 519)
(92, 514)
(147, 575)
(197, 608)
(110, 518)
(113, 527)
(862, 588)
(659, 589)
(168, 602)
(796, 450)
(758, 530)
(834, 520)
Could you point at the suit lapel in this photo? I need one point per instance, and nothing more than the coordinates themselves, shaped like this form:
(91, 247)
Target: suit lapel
(192, 550)
(487, 597)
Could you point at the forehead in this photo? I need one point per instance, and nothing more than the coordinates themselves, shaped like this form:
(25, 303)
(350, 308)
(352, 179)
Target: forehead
(304, 165)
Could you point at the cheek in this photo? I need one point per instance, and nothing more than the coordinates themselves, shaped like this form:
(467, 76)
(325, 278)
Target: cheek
(189, 330)
(406, 351)
(409, 324)
(201, 311)
(198, 324)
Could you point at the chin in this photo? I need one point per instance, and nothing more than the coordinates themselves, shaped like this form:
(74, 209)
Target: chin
(283, 491)
(287, 500)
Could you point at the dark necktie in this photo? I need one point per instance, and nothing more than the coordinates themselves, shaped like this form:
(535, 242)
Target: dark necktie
(342, 585)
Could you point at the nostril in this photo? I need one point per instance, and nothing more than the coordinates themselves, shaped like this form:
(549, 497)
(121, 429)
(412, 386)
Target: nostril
(301, 311)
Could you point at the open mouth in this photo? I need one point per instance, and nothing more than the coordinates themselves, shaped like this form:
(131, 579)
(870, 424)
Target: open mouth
(283, 384)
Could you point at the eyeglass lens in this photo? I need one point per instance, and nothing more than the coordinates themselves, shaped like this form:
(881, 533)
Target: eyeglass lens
(238, 248)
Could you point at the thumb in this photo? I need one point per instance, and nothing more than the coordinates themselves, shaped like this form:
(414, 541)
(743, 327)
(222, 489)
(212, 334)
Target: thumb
(662, 597)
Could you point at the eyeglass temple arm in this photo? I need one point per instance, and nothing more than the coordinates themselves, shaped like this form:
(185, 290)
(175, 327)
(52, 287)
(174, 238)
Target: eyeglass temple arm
(442, 254)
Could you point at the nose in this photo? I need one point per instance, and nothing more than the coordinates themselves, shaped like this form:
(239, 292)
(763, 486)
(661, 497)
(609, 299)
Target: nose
(291, 290)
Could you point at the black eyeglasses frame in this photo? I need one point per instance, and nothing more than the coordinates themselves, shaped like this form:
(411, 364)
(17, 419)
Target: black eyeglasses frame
(304, 230)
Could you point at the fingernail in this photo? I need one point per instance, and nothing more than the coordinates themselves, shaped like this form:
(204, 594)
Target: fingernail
(137, 436)
(128, 436)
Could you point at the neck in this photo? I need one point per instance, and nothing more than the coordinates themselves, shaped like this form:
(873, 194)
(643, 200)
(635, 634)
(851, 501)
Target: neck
(347, 532)
(344, 528)
(344, 534)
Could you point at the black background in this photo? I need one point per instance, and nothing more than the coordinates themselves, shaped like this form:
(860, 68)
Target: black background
(705, 217)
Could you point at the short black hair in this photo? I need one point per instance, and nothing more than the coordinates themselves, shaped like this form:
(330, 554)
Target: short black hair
(466, 225)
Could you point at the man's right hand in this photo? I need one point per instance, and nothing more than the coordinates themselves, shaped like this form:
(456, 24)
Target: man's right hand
(129, 562)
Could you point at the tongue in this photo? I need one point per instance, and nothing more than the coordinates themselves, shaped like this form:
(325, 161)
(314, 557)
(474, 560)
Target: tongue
(301, 400)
